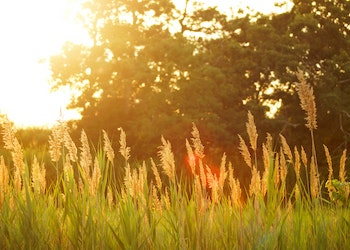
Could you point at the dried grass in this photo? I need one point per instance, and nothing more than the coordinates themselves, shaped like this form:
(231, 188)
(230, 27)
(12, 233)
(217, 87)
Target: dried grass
(156, 175)
(286, 149)
(235, 187)
(4, 180)
(85, 154)
(56, 141)
(167, 159)
(342, 171)
(70, 145)
(329, 162)
(213, 184)
(255, 183)
(124, 150)
(107, 147)
(197, 143)
(94, 181)
(252, 131)
(223, 174)
(297, 163)
(245, 152)
(153, 200)
(307, 100)
(191, 158)
(38, 177)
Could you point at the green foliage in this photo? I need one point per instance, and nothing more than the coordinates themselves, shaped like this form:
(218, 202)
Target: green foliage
(339, 192)
(199, 65)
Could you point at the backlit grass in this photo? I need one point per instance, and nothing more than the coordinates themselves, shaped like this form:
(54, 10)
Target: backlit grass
(102, 199)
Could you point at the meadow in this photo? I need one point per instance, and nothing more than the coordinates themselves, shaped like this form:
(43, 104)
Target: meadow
(102, 199)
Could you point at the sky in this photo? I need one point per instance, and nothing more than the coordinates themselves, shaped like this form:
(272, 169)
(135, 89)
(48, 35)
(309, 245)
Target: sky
(33, 30)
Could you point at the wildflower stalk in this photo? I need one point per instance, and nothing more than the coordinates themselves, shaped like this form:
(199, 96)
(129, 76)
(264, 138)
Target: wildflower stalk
(307, 103)
(253, 136)
(108, 149)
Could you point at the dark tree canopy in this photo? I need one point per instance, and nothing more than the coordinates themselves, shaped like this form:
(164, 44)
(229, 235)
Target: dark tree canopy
(153, 70)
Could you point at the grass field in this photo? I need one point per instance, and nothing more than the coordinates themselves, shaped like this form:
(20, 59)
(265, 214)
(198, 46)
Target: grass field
(103, 200)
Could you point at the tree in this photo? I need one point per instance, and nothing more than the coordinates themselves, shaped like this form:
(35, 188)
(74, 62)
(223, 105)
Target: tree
(321, 30)
(258, 56)
(198, 65)
(312, 36)
(134, 71)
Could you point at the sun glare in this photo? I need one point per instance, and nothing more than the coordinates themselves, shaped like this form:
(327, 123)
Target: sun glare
(33, 30)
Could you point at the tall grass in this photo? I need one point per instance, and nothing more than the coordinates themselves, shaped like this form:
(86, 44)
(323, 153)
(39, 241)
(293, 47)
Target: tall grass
(104, 200)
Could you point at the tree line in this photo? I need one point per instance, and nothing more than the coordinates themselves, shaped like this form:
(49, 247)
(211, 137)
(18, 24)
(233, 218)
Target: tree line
(153, 70)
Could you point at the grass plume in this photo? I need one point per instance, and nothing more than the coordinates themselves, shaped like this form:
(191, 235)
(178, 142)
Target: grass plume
(211, 209)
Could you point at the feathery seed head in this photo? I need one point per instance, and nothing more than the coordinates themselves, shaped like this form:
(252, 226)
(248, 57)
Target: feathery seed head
(70, 145)
(17, 156)
(266, 157)
(210, 176)
(223, 173)
(213, 184)
(342, 171)
(156, 203)
(8, 133)
(4, 179)
(267, 151)
(245, 151)
(191, 158)
(303, 157)
(329, 163)
(196, 141)
(286, 149)
(264, 182)
(167, 199)
(156, 175)
(108, 147)
(38, 177)
(297, 163)
(124, 150)
(11, 143)
(167, 159)
(202, 175)
(95, 178)
(235, 187)
(277, 171)
(283, 167)
(255, 183)
(85, 154)
(252, 132)
(128, 180)
(68, 172)
(56, 140)
(307, 100)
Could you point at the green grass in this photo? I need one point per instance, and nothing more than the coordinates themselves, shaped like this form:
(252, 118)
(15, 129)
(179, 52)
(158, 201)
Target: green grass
(128, 210)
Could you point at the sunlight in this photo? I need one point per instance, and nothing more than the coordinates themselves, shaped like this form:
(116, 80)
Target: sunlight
(266, 6)
(31, 32)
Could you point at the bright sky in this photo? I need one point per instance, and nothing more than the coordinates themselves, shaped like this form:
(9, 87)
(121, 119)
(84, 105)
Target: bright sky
(33, 30)
(30, 32)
